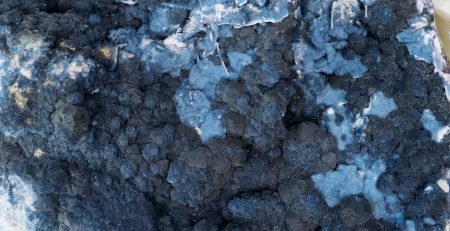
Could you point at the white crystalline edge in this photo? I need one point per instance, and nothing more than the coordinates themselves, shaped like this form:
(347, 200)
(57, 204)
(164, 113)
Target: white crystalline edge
(437, 130)
(129, 2)
(16, 205)
(367, 3)
(169, 57)
(240, 2)
(428, 41)
(359, 178)
(419, 41)
(215, 13)
(380, 105)
(443, 184)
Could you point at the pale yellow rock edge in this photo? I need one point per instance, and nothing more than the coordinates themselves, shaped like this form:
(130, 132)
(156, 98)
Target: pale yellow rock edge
(442, 20)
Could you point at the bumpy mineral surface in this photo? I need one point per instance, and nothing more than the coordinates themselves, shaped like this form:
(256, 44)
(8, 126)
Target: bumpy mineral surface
(224, 115)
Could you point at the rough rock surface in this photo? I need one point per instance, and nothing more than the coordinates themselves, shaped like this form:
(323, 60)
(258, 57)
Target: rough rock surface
(222, 115)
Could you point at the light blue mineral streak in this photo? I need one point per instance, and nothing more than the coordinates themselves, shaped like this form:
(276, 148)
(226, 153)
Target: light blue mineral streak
(380, 105)
(210, 15)
(419, 41)
(328, 31)
(194, 109)
(343, 14)
(203, 78)
(212, 127)
(360, 177)
(165, 58)
(342, 129)
(437, 129)
(327, 60)
(179, 50)
(338, 184)
(239, 60)
(161, 22)
(205, 75)
(223, 12)
(335, 101)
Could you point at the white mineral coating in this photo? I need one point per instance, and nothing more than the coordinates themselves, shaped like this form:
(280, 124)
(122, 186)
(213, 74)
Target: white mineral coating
(359, 178)
(16, 202)
(239, 60)
(380, 105)
(437, 129)
(341, 129)
(194, 109)
(205, 75)
(332, 97)
(419, 41)
(443, 184)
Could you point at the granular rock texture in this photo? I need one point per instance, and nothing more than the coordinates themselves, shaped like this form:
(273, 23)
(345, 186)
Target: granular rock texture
(223, 115)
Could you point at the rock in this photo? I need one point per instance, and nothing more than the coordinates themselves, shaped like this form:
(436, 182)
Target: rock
(355, 211)
(128, 169)
(381, 21)
(73, 119)
(46, 203)
(258, 210)
(311, 148)
(151, 152)
(107, 55)
(204, 225)
(217, 115)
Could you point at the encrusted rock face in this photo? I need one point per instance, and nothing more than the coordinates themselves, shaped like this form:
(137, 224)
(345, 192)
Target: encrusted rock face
(310, 147)
(73, 119)
(223, 115)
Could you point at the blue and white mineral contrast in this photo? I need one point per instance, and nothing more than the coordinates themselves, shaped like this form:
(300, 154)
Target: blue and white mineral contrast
(16, 200)
(380, 105)
(431, 124)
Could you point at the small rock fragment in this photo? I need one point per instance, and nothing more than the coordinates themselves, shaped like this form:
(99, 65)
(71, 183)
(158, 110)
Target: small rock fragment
(74, 119)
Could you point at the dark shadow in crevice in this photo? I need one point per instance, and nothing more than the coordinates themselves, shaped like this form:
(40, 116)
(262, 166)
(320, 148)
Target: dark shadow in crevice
(59, 6)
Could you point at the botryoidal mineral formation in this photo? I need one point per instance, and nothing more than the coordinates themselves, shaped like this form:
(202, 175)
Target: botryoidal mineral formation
(224, 115)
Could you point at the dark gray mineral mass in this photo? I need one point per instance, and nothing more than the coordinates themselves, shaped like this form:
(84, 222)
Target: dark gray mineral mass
(224, 115)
